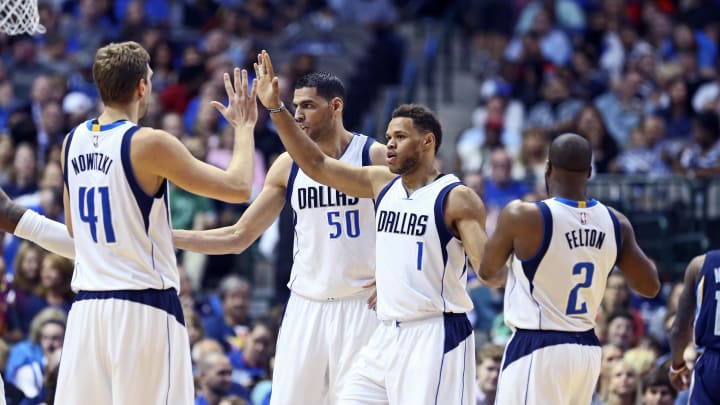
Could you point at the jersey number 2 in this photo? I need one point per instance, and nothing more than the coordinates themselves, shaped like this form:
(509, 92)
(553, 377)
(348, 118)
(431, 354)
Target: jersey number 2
(87, 211)
(587, 269)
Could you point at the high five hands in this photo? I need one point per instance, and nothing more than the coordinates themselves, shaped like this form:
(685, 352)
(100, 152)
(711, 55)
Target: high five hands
(242, 106)
(268, 89)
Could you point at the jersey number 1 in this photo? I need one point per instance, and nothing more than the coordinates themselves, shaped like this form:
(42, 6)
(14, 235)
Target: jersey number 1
(87, 211)
(580, 268)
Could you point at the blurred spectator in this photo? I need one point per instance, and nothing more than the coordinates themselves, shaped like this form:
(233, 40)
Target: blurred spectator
(29, 360)
(554, 43)
(24, 65)
(533, 157)
(500, 187)
(611, 354)
(678, 113)
(605, 149)
(476, 144)
(250, 363)
(656, 388)
(620, 108)
(624, 386)
(55, 276)
(231, 327)
(24, 299)
(617, 300)
(701, 158)
(216, 380)
(23, 179)
(489, 360)
(556, 113)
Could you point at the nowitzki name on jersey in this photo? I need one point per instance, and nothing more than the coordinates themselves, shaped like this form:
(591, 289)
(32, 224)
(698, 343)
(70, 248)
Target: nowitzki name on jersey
(323, 196)
(585, 237)
(91, 161)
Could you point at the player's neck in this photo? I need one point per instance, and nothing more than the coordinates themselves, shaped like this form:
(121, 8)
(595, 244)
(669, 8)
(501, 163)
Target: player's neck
(420, 177)
(570, 193)
(335, 144)
(116, 113)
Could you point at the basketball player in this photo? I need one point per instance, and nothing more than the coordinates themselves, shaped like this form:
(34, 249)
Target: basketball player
(126, 341)
(563, 249)
(327, 319)
(698, 305)
(423, 349)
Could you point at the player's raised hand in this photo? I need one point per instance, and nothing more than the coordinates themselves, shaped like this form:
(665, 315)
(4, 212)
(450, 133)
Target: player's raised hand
(267, 83)
(372, 300)
(242, 105)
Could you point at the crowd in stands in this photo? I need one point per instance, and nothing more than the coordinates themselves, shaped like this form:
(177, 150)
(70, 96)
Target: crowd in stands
(638, 78)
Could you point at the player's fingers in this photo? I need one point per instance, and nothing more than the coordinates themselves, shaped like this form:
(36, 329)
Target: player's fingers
(218, 106)
(257, 69)
(268, 64)
(369, 284)
(228, 86)
(243, 82)
(253, 91)
(275, 84)
(237, 81)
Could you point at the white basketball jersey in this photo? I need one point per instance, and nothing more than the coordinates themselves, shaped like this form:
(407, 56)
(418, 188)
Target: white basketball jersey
(561, 287)
(422, 267)
(334, 252)
(123, 237)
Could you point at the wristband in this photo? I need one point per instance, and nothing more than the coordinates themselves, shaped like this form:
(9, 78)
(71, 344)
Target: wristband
(674, 370)
(277, 110)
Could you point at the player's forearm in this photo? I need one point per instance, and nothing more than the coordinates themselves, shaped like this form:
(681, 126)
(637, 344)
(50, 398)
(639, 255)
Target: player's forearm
(679, 338)
(48, 234)
(301, 148)
(218, 241)
(241, 167)
(10, 213)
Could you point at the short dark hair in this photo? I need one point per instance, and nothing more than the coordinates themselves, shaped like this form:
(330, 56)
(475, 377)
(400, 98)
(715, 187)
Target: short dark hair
(658, 377)
(708, 121)
(327, 85)
(423, 119)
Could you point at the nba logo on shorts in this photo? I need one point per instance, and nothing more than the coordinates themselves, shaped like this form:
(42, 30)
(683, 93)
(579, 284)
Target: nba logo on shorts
(583, 218)
(96, 140)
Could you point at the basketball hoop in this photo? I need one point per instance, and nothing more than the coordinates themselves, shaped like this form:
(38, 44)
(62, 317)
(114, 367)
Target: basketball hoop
(20, 17)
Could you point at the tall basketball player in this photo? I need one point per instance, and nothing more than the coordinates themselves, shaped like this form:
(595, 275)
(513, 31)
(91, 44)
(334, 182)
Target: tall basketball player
(326, 320)
(126, 341)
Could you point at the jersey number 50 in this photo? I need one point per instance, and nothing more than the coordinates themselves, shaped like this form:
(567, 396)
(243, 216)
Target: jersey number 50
(581, 268)
(352, 223)
(87, 211)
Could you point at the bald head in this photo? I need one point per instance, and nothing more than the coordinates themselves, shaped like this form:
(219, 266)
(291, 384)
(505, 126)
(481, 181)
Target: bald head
(571, 152)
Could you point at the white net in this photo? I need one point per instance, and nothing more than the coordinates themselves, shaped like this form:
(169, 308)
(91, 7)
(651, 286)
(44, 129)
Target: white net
(20, 17)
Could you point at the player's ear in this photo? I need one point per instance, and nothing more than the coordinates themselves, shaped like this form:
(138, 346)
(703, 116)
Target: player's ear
(429, 140)
(337, 104)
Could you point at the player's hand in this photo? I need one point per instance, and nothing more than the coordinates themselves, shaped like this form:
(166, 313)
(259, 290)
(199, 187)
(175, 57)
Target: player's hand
(242, 105)
(372, 300)
(268, 89)
(680, 379)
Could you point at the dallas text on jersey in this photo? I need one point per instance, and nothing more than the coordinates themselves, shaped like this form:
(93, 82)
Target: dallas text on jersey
(585, 237)
(406, 223)
(91, 161)
(322, 196)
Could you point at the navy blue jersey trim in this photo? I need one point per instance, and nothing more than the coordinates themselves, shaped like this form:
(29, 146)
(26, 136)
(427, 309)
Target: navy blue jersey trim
(444, 232)
(143, 200)
(531, 265)
(291, 182)
(525, 342)
(67, 156)
(366, 161)
(457, 328)
(384, 191)
(618, 233)
(166, 300)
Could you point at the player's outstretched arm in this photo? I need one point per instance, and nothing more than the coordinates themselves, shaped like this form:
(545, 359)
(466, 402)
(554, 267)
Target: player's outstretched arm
(27, 224)
(681, 330)
(352, 180)
(465, 216)
(163, 155)
(639, 270)
(254, 221)
(513, 218)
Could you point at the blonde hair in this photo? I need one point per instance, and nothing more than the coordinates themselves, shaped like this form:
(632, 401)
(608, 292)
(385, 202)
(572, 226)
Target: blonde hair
(641, 359)
(47, 315)
(118, 68)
